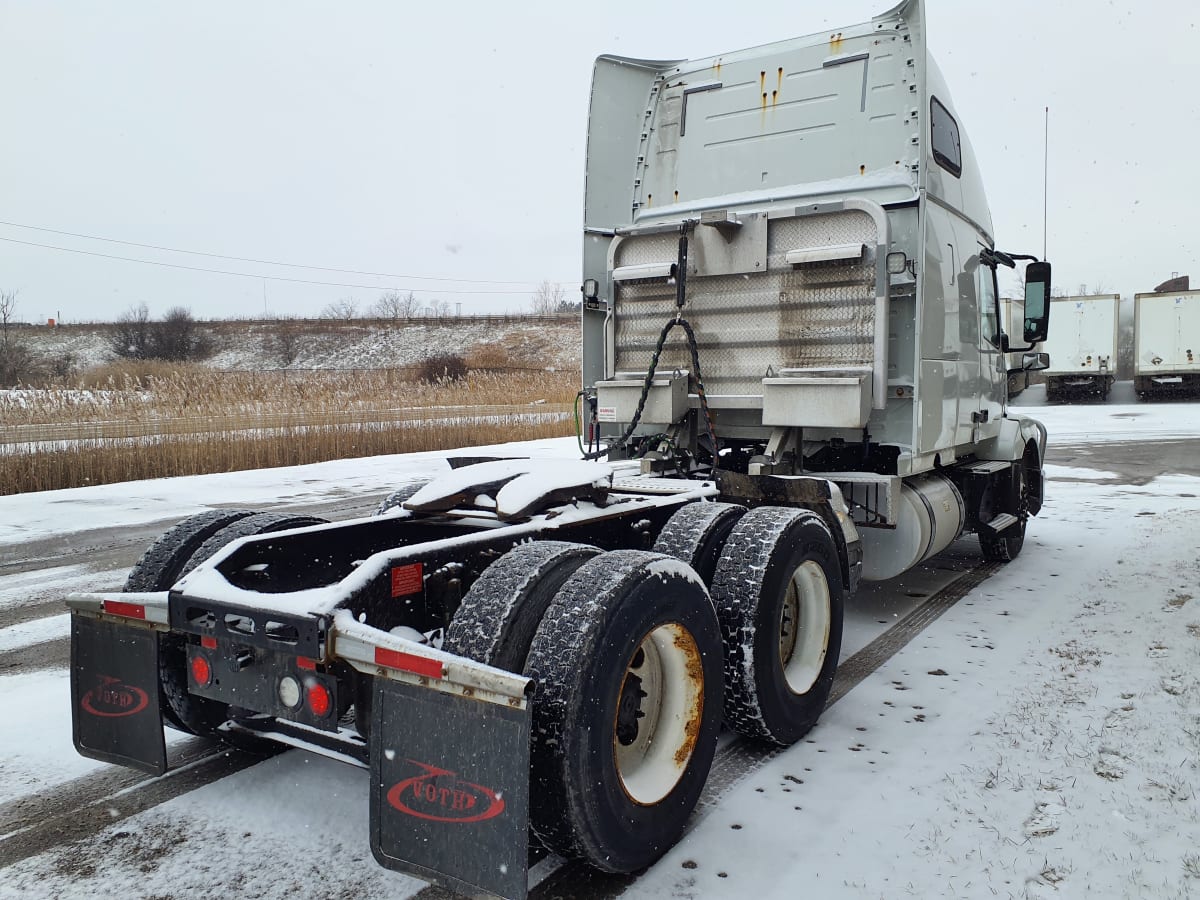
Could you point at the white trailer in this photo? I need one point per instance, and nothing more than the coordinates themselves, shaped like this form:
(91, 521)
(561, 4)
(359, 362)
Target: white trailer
(1083, 347)
(1166, 358)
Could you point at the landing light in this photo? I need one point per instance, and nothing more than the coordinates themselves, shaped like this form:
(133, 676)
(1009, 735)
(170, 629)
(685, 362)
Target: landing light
(897, 262)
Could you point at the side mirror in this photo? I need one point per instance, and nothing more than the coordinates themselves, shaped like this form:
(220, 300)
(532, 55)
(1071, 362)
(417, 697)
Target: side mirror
(1035, 362)
(1037, 301)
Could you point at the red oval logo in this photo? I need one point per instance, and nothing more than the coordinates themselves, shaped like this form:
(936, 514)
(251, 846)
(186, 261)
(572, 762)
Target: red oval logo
(439, 795)
(112, 698)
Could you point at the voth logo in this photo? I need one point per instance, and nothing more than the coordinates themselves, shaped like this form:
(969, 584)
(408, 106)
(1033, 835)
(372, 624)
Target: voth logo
(439, 795)
(112, 697)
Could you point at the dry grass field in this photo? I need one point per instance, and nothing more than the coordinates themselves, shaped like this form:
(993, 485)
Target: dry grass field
(151, 420)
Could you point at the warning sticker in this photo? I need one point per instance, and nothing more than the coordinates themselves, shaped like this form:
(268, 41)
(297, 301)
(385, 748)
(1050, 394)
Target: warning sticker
(407, 580)
(606, 413)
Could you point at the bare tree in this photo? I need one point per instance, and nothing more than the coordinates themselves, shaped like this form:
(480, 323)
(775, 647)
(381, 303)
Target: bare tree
(346, 308)
(130, 338)
(283, 342)
(8, 309)
(15, 359)
(547, 299)
(177, 337)
(441, 308)
(394, 305)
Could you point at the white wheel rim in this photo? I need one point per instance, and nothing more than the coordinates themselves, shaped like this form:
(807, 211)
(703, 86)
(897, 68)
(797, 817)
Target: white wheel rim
(669, 668)
(804, 624)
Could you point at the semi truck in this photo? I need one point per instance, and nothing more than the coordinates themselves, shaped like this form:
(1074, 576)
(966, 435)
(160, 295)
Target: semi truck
(1083, 349)
(1166, 358)
(793, 378)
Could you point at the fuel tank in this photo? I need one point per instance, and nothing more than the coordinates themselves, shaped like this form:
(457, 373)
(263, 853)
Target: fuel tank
(931, 514)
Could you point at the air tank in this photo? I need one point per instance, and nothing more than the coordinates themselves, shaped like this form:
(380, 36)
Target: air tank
(931, 514)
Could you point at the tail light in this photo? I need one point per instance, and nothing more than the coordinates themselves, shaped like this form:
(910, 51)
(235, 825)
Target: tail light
(318, 699)
(201, 670)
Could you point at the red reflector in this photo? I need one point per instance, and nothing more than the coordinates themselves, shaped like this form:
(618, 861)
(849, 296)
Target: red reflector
(407, 662)
(318, 699)
(305, 663)
(201, 671)
(208, 643)
(407, 580)
(129, 610)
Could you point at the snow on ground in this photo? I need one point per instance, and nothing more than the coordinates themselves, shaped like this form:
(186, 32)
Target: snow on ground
(25, 517)
(36, 631)
(1041, 739)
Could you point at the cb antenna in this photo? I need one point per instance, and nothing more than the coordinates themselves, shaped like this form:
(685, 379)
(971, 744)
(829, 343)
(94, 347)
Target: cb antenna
(1045, 179)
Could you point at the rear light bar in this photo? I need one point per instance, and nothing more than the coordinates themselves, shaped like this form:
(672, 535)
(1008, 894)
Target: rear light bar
(384, 655)
(410, 662)
(150, 607)
(121, 608)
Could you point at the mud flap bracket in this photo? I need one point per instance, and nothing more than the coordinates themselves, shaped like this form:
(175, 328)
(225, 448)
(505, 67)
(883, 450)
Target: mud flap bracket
(115, 713)
(450, 788)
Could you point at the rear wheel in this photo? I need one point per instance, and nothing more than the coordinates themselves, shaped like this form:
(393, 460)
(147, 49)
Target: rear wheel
(398, 496)
(159, 568)
(696, 533)
(780, 600)
(497, 618)
(627, 709)
(197, 539)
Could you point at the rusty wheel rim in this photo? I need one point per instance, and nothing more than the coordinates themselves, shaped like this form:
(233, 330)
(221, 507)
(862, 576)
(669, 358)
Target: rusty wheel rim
(658, 714)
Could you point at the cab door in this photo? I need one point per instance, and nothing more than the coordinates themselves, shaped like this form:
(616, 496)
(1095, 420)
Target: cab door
(993, 370)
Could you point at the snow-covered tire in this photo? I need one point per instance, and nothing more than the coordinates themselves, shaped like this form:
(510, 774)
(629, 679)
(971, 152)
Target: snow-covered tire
(497, 618)
(400, 494)
(779, 597)
(162, 563)
(196, 543)
(629, 632)
(696, 533)
(255, 524)
(159, 568)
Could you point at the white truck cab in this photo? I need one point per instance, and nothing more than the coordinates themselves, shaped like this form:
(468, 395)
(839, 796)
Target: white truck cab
(814, 211)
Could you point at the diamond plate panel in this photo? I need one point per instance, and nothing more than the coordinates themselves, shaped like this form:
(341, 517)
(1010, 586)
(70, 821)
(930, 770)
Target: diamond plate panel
(820, 315)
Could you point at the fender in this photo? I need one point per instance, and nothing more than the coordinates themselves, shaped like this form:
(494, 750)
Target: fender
(1016, 433)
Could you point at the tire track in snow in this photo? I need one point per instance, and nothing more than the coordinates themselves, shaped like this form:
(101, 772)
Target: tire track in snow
(87, 805)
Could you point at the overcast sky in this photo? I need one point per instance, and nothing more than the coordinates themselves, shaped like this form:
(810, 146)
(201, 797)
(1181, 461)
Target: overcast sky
(446, 140)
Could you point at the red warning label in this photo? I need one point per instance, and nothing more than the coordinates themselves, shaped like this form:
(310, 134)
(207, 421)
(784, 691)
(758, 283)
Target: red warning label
(407, 580)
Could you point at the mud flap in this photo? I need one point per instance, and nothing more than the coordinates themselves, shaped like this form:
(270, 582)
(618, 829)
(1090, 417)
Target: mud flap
(115, 695)
(450, 789)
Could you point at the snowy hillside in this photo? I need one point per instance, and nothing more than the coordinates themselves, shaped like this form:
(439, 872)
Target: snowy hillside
(322, 344)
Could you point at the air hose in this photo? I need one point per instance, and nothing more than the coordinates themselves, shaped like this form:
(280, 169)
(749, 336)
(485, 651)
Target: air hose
(680, 270)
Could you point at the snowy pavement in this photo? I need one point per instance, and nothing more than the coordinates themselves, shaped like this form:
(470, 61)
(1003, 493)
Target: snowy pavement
(1041, 739)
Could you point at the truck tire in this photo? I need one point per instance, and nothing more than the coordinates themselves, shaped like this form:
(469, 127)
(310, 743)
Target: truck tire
(400, 494)
(181, 709)
(255, 524)
(497, 618)
(159, 568)
(1005, 546)
(696, 533)
(627, 709)
(780, 599)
